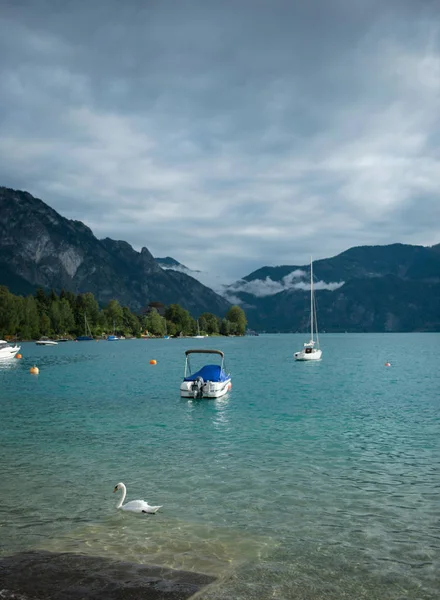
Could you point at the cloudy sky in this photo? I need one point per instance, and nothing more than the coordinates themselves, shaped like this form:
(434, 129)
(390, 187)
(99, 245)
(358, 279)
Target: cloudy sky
(231, 134)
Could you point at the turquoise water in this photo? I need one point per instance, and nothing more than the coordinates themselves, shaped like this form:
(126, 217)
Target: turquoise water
(308, 481)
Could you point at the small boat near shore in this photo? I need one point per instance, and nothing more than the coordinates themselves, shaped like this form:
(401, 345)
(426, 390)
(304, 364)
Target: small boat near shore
(8, 350)
(199, 335)
(45, 341)
(87, 337)
(210, 381)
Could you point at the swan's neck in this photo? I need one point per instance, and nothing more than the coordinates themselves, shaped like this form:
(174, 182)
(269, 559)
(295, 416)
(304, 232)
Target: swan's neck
(124, 493)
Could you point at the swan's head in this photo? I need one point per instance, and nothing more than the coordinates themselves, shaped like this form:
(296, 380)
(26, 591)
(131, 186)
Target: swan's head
(119, 486)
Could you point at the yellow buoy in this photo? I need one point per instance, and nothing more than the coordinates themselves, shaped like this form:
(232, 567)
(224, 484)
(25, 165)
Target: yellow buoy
(18, 355)
(153, 362)
(34, 370)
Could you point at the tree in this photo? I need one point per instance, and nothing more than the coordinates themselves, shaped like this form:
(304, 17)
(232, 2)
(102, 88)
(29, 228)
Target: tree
(42, 301)
(44, 315)
(203, 324)
(44, 324)
(103, 325)
(155, 323)
(69, 296)
(238, 320)
(85, 305)
(31, 319)
(55, 317)
(130, 322)
(211, 323)
(67, 317)
(180, 317)
(114, 314)
(92, 308)
(9, 312)
(225, 327)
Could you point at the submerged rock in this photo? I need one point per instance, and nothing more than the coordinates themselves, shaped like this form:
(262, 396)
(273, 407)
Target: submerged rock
(65, 576)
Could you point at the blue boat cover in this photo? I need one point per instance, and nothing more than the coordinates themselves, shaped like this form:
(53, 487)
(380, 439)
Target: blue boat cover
(209, 373)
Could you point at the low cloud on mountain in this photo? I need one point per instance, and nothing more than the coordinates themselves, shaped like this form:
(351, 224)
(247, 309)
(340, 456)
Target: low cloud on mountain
(296, 280)
(209, 278)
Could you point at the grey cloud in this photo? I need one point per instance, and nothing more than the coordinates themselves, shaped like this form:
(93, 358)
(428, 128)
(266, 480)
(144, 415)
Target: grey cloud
(228, 135)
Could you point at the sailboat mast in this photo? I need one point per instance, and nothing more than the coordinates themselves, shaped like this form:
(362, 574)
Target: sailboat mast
(311, 299)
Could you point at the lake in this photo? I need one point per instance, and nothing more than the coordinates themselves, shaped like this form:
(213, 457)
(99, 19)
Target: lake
(309, 480)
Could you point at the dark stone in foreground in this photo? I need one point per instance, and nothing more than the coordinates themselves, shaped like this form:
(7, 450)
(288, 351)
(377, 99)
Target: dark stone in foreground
(52, 576)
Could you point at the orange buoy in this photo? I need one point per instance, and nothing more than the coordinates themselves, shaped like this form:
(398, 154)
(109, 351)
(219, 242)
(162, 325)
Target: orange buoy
(153, 362)
(18, 355)
(34, 370)
(387, 364)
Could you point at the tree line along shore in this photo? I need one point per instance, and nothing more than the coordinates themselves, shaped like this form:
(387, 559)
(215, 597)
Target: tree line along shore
(68, 315)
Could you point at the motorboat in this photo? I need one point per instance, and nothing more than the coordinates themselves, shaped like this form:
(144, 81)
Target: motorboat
(44, 341)
(210, 381)
(309, 351)
(8, 350)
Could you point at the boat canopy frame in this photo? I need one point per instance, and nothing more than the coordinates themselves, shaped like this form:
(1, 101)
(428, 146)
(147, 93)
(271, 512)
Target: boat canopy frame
(188, 369)
(201, 351)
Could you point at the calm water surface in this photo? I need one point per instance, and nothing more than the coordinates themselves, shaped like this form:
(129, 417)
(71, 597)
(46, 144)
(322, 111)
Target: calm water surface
(308, 481)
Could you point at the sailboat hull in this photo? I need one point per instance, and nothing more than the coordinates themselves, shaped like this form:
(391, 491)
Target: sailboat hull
(315, 354)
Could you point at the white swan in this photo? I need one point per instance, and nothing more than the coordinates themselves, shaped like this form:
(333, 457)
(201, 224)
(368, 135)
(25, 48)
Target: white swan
(138, 506)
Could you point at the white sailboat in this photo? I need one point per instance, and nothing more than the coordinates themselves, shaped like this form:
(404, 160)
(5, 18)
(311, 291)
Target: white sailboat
(87, 333)
(309, 352)
(198, 332)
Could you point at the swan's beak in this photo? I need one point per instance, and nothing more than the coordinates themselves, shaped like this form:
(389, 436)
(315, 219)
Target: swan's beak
(116, 489)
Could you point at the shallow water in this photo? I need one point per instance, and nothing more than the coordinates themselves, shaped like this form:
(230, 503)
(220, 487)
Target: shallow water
(307, 481)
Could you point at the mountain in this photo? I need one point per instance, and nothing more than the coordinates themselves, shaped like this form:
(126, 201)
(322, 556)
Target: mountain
(209, 279)
(366, 288)
(171, 263)
(40, 248)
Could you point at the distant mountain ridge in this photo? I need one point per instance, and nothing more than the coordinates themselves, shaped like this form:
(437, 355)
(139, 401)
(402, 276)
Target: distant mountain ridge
(365, 288)
(402, 260)
(39, 247)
